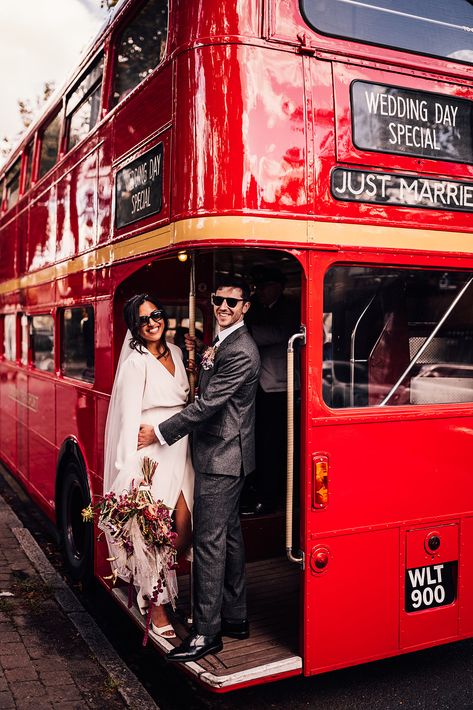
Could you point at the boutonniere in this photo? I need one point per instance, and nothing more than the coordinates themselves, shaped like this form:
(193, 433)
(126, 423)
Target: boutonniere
(208, 357)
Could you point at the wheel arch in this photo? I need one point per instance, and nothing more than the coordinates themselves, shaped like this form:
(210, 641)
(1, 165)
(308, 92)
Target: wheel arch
(70, 449)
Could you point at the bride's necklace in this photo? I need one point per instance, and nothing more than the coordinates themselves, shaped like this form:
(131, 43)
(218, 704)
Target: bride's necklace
(162, 355)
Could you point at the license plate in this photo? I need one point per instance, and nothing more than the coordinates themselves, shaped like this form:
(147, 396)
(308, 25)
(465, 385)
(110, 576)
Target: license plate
(431, 586)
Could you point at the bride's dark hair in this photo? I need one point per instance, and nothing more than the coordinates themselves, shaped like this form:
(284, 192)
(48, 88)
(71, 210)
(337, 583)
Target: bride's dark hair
(131, 313)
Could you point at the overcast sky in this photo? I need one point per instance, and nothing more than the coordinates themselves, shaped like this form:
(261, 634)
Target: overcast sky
(40, 40)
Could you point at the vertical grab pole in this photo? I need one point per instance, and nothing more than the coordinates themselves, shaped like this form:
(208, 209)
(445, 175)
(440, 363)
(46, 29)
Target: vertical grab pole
(290, 443)
(192, 327)
(192, 378)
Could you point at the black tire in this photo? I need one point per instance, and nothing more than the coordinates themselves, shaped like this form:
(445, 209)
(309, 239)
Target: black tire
(77, 537)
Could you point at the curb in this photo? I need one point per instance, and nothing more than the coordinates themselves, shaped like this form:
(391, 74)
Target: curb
(128, 686)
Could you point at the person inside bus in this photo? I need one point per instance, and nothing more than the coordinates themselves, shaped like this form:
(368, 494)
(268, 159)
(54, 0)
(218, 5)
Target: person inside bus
(222, 422)
(273, 318)
(150, 385)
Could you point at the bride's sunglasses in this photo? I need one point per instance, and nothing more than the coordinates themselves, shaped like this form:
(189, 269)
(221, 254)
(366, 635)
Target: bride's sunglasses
(156, 315)
(231, 302)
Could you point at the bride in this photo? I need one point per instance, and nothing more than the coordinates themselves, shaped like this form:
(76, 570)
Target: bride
(150, 386)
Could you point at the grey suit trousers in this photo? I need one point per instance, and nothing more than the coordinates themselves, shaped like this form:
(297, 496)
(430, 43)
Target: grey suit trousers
(219, 556)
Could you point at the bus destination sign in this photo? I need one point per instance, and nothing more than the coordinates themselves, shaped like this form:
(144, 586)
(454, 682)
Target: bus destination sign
(139, 187)
(401, 190)
(402, 121)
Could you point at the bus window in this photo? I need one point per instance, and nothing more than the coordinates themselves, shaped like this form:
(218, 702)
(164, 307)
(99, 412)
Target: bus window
(83, 105)
(77, 328)
(140, 47)
(28, 167)
(436, 28)
(50, 145)
(42, 342)
(9, 337)
(397, 337)
(13, 184)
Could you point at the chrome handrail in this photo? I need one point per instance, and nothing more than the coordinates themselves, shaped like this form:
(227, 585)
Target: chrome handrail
(290, 443)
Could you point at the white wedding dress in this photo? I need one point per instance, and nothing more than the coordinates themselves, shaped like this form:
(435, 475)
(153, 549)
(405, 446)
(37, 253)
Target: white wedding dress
(145, 392)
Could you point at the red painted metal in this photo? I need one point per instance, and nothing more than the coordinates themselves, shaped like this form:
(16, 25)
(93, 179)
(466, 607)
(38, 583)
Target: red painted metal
(253, 110)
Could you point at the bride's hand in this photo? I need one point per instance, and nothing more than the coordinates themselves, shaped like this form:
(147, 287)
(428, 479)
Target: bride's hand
(146, 436)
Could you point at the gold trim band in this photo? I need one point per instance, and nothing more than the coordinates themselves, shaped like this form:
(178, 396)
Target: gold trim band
(301, 232)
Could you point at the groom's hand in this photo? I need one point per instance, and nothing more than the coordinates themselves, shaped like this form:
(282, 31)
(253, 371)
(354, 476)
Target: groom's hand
(146, 436)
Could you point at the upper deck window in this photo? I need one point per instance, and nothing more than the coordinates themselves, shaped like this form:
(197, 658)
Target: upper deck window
(83, 104)
(13, 184)
(28, 167)
(434, 27)
(50, 145)
(140, 47)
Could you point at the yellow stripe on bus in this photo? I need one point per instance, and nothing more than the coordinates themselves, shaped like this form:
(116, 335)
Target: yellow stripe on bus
(255, 229)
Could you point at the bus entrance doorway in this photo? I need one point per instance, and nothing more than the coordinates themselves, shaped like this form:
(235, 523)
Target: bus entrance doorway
(276, 280)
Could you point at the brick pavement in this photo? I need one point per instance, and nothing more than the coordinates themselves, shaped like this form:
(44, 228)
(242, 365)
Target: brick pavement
(44, 660)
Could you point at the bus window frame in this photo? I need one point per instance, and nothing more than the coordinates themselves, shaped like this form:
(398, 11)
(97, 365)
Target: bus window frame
(19, 339)
(100, 54)
(59, 333)
(52, 313)
(28, 159)
(361, 413)
(372, 44)
(109, 102)
(17, 161)
(56, 112)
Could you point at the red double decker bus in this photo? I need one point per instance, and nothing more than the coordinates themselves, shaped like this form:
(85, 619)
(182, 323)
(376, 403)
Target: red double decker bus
(334, 143)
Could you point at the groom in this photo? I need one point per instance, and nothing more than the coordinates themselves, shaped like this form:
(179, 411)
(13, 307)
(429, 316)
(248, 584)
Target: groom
(222, 419)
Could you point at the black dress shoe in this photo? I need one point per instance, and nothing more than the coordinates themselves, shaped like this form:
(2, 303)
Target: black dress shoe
(194, 647)
(236, 629)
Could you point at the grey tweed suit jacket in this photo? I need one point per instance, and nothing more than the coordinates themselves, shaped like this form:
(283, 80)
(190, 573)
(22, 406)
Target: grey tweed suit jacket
(222, 418)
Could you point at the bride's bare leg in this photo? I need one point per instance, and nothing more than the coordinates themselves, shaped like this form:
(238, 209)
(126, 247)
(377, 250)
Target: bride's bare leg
(182, 518)
(160, 618)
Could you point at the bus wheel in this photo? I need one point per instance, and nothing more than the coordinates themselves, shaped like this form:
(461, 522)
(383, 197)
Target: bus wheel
(77, 537)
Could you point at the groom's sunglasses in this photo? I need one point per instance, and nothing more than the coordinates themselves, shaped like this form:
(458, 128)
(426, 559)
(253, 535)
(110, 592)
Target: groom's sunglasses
(154, 315)
(231, 302)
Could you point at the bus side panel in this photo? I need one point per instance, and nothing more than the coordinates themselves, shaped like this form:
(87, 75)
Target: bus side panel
(76, 417)
(246, 105)
(102, 567)
(8, 245)
(77, 204)
(380, 475)
(149, 111)
(353, 605)
(42, 453)
(8, 414)
(466, 577)
(22, 422)
(42, 227)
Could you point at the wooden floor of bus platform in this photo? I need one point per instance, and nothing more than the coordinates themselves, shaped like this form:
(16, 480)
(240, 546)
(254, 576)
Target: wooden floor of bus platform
(273, 596)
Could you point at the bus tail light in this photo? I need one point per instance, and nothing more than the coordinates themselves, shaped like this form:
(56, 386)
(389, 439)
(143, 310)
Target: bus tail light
(319, 481)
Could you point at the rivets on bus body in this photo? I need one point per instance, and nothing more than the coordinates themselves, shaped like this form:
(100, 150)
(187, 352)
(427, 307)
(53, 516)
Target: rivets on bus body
(319, 559)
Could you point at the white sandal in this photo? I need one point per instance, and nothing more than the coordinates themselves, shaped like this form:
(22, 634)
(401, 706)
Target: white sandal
(163, 631)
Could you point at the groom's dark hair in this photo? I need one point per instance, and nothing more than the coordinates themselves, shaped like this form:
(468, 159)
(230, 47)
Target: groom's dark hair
(131, 314)
(232, 281)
